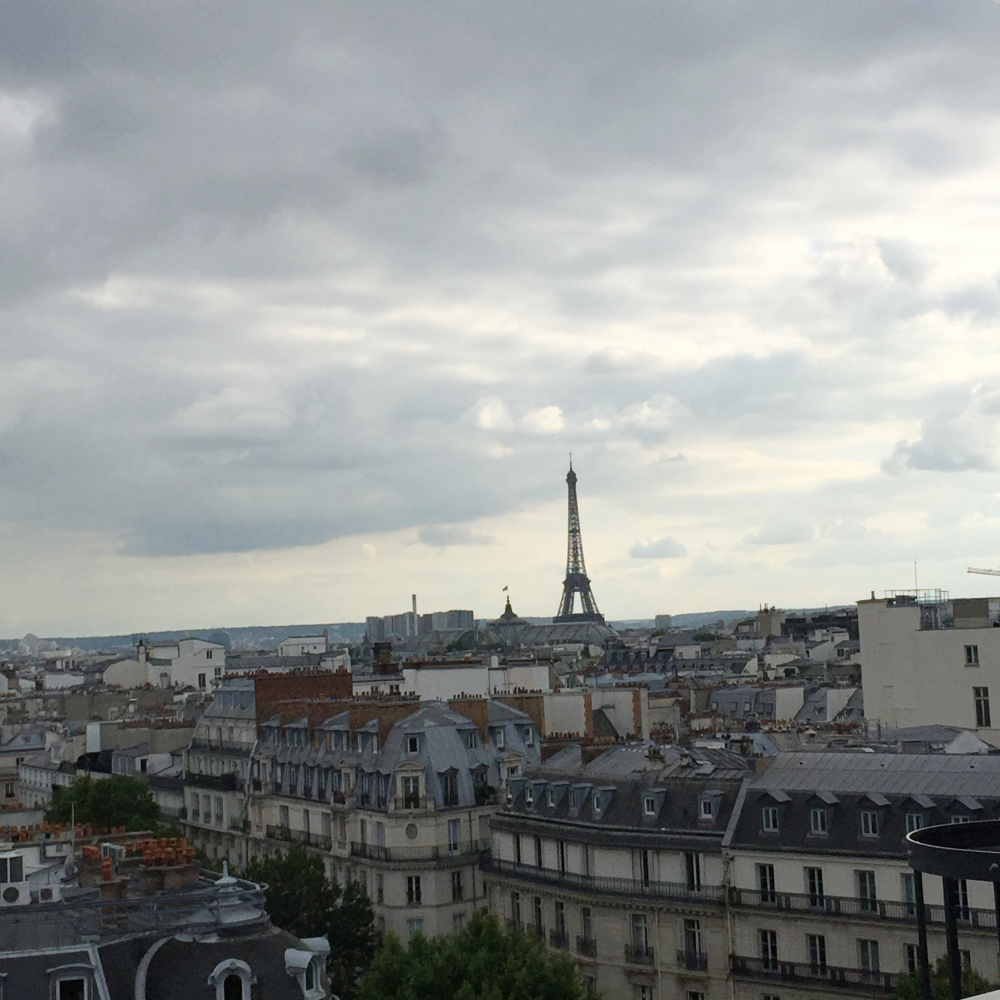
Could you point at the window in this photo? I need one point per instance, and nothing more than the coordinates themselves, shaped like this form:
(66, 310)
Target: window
(283, 816)
(963, 900)
(232, 986)
(769, 819)
(982, 699)
(640, 992)
(538, 852)
(470, 739)
(550, 797)
(72, 989)
(909, 891)
(515, 907)
(765, 883)
(536, 909)
(411, 793)
(692, 868)
(869, 823)
(640, 862)
(201, 682)
(195, 807)
(866, 890)
(868, 955)
(529, 795)
(449, 784)
(695, 995)
(218, 810)
(914, 821)
(911, 957)
(456, 885)
(379, 888)
(500, 739)
(817, 822)
(561, 853)
(972, 656)
(649, 806)
(587, 923)
(814, 886)
(206, 809)
(768, 946)
(639, 932)
(454, 831)
(960, 819)
(706, 809)
(529, 736)
(816, 949)
(457, 922)
(412, 744)
(597, 802)
(9, 790)
(208, 654)
(414, 927)
(517, 848)
(692, 936)
(560, 908)
(412, 889)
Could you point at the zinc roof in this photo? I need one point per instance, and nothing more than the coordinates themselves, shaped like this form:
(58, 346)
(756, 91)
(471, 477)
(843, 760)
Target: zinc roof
(893, 774)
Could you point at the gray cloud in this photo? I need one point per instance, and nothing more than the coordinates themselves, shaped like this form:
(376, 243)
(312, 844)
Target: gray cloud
(441, 536)
(658, 548)
(269, 278)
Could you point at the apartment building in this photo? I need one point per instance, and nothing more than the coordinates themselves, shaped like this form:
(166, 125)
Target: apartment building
(394, 794)
(821, 901)
(619, 859)
(217, 770)
(929, 659)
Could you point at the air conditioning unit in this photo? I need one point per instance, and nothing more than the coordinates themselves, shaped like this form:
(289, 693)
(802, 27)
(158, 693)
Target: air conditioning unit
(15, 894)
(49, 894)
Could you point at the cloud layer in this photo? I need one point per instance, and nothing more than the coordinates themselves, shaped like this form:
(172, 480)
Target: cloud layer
(276, 279)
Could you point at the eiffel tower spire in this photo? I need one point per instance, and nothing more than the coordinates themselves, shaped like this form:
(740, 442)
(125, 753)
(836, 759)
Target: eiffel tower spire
(577, 581)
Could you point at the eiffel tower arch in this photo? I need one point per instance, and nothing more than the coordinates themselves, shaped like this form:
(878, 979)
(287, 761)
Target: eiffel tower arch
(577, 583)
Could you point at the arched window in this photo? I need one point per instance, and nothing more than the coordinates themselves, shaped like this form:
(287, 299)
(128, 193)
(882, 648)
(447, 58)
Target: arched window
(232, 980)
(233, 987)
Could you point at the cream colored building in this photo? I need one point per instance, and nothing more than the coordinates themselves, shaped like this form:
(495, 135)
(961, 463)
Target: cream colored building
(619, 861)
(928, 659)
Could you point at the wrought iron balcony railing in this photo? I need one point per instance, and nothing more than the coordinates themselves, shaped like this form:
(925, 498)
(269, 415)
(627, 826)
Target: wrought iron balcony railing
(830, 976)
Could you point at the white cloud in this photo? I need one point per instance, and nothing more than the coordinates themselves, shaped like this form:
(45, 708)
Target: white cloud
(658, 548)
(545, 420)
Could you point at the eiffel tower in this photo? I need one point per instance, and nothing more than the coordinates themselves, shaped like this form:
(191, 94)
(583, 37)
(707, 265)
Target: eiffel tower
(577, 581)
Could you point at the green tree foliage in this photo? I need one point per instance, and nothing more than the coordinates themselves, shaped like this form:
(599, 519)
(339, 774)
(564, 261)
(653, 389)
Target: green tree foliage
(482, 962)
(303, 900)
(106, 802)
(909, 988)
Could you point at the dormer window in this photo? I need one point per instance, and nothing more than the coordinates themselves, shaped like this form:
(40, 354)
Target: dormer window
(769, 819)
(649, 806)
(412, 744)
(706, 808)
(550, 797)
(817, 822)
(470, 739)
(869, 823)
(498, 738)
(597, 802)
(529, 795)
(232, 980)
(529, 736)
(914, 821)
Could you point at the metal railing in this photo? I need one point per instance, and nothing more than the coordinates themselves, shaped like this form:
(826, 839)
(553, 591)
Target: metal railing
(601, 884)
(586, 946)
(431, 852)
(851, 906)
(696, 961)
(837, 977)
(638, 954)
(558, 939)
(299, 837)
(412, 802)
(229, 782)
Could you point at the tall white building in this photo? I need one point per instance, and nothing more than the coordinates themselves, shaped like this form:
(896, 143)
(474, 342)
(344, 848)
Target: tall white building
(928, 659)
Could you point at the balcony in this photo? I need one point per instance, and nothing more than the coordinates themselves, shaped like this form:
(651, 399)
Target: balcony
(591, 884)
(558, 939)
(858, 908)
(413, 802)
(214, 743)
(432, 852)
(586, 946)
(694, 961)
(854, 981)
(299, 837)
(217, 782)
(638, 954)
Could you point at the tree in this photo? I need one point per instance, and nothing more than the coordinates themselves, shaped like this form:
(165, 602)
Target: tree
(482, 962)
(909, 987)
(304, 901)
(105, 802)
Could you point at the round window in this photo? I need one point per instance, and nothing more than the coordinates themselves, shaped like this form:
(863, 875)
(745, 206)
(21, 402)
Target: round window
(411, 831)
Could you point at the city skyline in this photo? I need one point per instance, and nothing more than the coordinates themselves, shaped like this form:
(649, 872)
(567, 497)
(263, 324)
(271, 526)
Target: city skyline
(303, 308)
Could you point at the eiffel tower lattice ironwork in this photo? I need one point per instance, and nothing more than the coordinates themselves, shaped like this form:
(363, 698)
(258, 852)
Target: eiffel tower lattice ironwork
(577, 581)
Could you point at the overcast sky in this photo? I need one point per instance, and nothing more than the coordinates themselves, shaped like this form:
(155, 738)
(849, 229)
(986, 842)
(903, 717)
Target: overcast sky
(304, 305)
